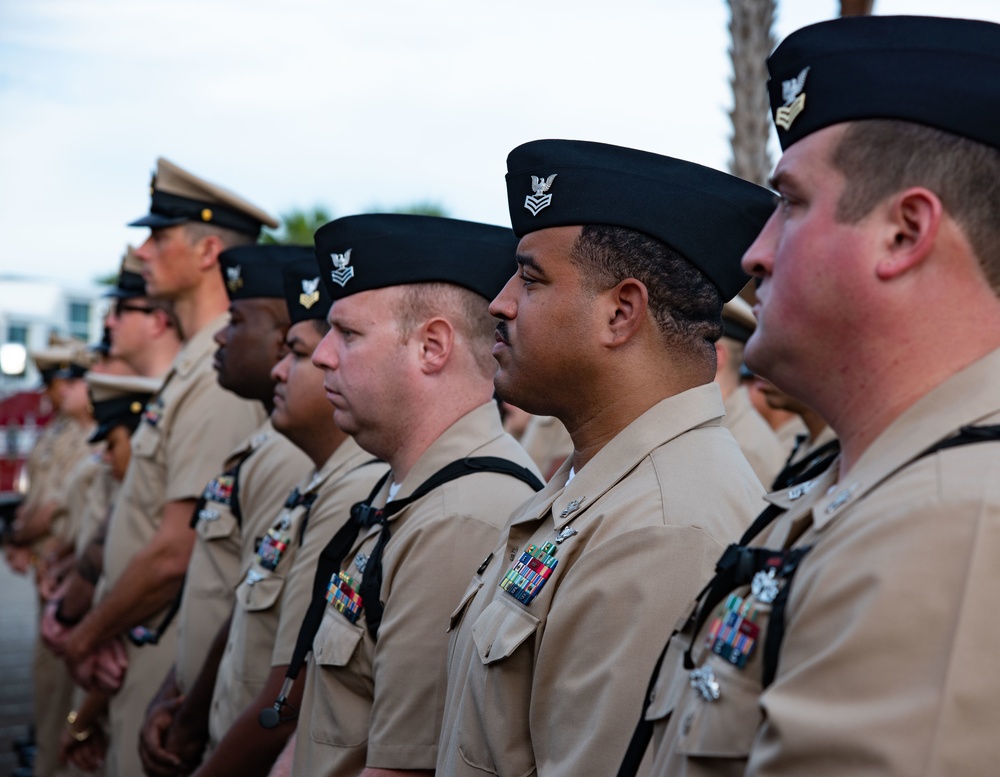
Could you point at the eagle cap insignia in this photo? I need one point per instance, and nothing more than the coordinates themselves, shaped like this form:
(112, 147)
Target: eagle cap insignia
(539, 200)
(234, 277)
(310, 293)
(795, 100)
(342, 272)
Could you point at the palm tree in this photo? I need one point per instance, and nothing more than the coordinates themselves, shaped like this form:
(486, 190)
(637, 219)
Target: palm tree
(752, 41)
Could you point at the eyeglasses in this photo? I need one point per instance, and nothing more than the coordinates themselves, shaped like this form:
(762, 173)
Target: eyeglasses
(121, 306)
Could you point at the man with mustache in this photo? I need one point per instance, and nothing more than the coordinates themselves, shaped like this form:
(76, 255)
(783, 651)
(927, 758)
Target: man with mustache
(608, 324)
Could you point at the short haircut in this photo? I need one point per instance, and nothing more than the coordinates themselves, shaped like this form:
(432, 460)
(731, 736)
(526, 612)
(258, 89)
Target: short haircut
(465, 309)
(230, 238)
(880, 157)
(685, 304)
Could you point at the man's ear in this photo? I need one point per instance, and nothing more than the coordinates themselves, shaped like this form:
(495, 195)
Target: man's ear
(208, 249)
(914, 218)
(435, 340)
(626, 305)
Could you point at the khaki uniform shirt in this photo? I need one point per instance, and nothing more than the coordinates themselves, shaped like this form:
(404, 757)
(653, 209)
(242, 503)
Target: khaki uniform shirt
(77, 498)
(755, 436)
(788, 433)
(277, 579)
(556, 637)
(547, 442)
(254, 483)
(887, 662)
(188, 428)
(58, 444)
(380, 703)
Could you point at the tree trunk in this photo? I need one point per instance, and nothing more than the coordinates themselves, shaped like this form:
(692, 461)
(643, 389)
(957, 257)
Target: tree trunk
(752, 41)
(856, 7)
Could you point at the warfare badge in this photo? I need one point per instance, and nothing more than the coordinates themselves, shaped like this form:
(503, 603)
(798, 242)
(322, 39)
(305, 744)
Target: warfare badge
(342, 272)
(234, 278)
(539, 200)
(795, 100)
(310, 293)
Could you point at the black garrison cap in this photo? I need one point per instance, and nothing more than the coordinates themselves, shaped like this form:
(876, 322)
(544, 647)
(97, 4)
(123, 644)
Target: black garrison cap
(944, 73)
(306, 297)
(708, 216)
(372, 251)
(255, 271)
(118, 400)
(130, 282)
(179, 197)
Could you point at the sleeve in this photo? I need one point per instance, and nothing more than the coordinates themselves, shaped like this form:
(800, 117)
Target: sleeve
(206, 428)
(886, 663)
(604, 633)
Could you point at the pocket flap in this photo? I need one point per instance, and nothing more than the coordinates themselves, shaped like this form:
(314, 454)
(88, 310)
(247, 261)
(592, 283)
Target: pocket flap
(471, 591)
(336, 640)
(145, 441)
(215, 522)
(671, 681)
(262, 592)
(725, 727)
(500, 629)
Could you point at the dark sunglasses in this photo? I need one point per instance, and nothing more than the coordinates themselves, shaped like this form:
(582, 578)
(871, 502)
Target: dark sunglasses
(121, 306)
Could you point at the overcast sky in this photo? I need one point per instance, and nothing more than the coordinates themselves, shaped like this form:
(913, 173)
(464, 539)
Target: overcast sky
(351, 105)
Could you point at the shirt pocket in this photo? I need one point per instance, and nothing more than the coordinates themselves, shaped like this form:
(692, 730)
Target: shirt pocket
(500, 688)
(259, 590)
(218, 554)
(146, 441)
(724, 728)
(341, 707)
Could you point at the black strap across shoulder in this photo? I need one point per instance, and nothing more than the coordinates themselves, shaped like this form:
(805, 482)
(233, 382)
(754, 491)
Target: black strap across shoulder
(364, 515)
(737, 567)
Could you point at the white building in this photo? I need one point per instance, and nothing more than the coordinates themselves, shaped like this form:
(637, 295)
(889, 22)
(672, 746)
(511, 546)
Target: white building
(31, 310)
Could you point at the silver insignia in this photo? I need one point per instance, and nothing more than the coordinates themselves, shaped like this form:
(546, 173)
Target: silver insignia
(795, 100)
(565, 534)
(572, 507)
(234, 277)
(539, 200)
(704, 682)
(360, 561)
(253, 576)
(764, 586)
(207, 514)
(342, 272)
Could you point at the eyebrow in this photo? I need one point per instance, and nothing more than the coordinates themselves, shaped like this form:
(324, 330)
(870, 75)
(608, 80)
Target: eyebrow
(530, 263)
(780, 178)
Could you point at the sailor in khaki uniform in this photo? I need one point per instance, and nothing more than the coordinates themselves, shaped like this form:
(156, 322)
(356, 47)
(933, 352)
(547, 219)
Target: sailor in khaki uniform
(237, 505)
(117, 402)
(59, 446)
(408, 373)
(855, 634)
(143, 335)
(610, 329)
(278, 572)
(756, 439)
(187, 430)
